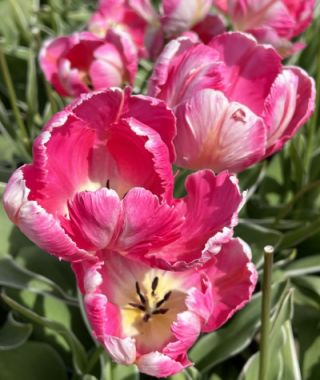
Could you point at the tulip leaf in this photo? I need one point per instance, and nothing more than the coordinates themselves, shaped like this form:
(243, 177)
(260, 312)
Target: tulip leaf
(277, 340)
(230, 340)
(306, 265)
(77, 349)
(13, 333)
(121, 372)
(32, 361)
(14, 276)
(291, 368)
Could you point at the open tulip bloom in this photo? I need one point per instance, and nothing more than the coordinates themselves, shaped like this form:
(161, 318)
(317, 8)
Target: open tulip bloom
(151, 317)
(234, 102)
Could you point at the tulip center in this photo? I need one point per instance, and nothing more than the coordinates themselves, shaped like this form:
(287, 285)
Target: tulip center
(151, 309)
(153, 305)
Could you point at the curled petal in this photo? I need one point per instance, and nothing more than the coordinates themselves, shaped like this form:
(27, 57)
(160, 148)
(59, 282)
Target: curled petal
(160, 365)
(147, 223)
(289, 105)
(123, 351)
(233, 278)
(94, 218)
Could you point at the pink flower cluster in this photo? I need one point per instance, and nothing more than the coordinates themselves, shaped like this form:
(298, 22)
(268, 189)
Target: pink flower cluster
(156, 271)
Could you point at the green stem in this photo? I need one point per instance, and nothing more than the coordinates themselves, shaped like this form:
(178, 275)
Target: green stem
(94, 358)
(265, 312)
(13, 99)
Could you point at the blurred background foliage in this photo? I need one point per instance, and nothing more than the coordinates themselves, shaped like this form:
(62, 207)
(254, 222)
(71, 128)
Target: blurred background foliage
(43, 332)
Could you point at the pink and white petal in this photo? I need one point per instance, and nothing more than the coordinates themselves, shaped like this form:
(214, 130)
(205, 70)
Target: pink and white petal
(160, 365)
(200, 300)
(88, 275)
(186, 330)
(71, 79)
(288, 106)
(96, 310)
(122, 350)
(218, 134)
(45, 230)
(50, 54)
(100, 109)
(16, 194)
(142, 159)
(192, 67)
(148, 224)
(155, 114)
(210, 209)
(36, 223)
(105, 74)
(233, 277)
(249, 69)
(161, 70)
(94, 218)
(128, 50)
(61, 166)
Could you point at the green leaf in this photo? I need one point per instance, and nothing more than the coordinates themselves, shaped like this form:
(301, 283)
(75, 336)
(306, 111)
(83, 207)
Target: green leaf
(32, 361)
(292, 238)
(79, 354)
(121, 372)
(216, 347)
(282, 314)
(307, 328)
(291, 369)
(257, 237)
(13, 334)
(306, 265)
(14, 276)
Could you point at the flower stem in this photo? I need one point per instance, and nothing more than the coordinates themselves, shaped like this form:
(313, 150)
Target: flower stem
(265, 312)
(13, 99)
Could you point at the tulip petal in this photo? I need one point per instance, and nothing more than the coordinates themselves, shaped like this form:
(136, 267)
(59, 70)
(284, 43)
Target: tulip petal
(249, 69)
(233, 278)
(289, 105)
(160, 365)
(218, 134)
(154, 113)
(147, 223)
(94, 218)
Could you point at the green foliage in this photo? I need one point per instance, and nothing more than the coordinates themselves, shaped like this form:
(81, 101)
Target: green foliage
(43, 330)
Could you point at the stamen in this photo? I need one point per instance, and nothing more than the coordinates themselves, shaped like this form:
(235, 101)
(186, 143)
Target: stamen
(154, 285)
(137, 306)
(146, 317)
(108, 184)
(160, 311)
(141, 296)
(164, 299)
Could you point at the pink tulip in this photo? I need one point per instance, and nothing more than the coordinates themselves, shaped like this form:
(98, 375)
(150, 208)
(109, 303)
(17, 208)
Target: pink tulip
(101, 180)
(151, 317)
(119, 15)
(84, 161)
(235, 104)
(82, 62)
(275, 22)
